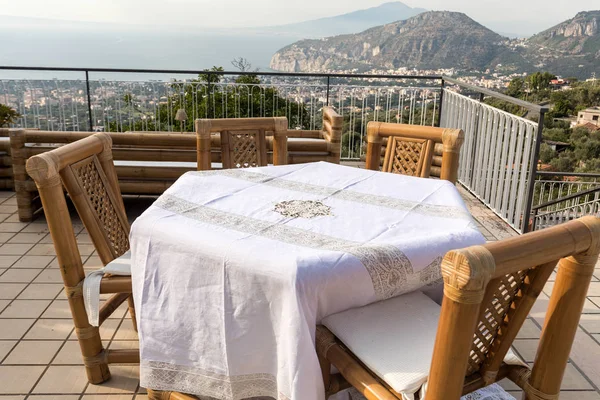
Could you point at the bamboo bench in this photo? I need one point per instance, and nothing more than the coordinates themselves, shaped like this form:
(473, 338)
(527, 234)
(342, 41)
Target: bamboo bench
(6, 171)
(149, 162)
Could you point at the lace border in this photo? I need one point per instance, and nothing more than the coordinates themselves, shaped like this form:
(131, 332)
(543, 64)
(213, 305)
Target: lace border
(171, 377)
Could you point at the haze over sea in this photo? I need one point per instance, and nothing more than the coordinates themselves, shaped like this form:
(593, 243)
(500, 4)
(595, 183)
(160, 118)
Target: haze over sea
(131, 49)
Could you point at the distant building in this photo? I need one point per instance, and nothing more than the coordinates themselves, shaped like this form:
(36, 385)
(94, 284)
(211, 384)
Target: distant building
(557, 146)
(560, 83)
(589, 116)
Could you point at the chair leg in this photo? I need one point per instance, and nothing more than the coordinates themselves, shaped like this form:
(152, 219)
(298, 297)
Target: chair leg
(161, 395)
(94, 356)
(132, 312)
(560, 325)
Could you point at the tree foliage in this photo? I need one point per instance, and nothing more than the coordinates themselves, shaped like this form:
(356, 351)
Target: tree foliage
(7, 115)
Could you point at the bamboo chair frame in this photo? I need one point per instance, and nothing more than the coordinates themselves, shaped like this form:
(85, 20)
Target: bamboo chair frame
(243, 141)
(469, 351)
(426, 151)
(86, 170)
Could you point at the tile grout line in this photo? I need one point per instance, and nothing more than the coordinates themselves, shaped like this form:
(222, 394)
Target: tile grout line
(596, 389)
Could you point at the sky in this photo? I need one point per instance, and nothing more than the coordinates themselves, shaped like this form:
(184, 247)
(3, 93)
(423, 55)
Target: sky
(506, 16)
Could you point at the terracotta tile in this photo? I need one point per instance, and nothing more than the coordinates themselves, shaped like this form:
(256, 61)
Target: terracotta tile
(46, 239)
(62, 379)
(573, 379)
(585, 353)
(58, 309)
(108, 397)
(84, 238)
(93, 262)
(13, 217)
(70, 353)
(124, 379)
(590, 322)
(25, 309)
(12, 227)
(33, 262)
(594, 289)
(11, 290)
(508, 385)
(579, 395)
(595, 300)
(529, 330)
(14, 328)
(49, 276)
(19, 275)
(27, 237)
(17, 249)
(33, 352)
(36, 227)
(124, 344)
(526, 348)
(5, 347)
(41, 291)
(42, 249)
(4, 304)
(18, 379)
(8, 261)
(590, 307)
(50, 329)
(5, 236)
(126, 331)
(54, 397)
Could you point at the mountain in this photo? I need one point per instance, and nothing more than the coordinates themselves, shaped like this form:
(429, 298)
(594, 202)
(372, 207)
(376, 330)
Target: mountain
(353, 22)
(430, 40)
(571, 47)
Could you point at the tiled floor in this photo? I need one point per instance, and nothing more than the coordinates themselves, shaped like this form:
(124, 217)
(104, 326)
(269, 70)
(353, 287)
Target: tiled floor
(40, 358)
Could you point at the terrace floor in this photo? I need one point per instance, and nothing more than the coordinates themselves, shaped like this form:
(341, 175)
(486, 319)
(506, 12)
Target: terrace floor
(40, 357)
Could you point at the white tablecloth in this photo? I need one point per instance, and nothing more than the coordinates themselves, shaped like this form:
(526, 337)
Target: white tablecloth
(228, 291)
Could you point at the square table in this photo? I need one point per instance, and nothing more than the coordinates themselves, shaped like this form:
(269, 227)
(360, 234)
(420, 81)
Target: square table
(233, 269)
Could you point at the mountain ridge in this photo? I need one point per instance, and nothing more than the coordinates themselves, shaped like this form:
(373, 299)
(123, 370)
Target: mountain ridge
(445, 39)
(425, 41)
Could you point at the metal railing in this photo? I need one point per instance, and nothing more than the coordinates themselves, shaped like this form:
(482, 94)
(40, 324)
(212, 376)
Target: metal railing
(498, 161)
(151, 105)
(567, 208)
(550, 186)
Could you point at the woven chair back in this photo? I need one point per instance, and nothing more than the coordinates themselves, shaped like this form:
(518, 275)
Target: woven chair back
(88, 174)
(243, 141)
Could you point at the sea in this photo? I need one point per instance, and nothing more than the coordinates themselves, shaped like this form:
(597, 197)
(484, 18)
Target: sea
(182, 50)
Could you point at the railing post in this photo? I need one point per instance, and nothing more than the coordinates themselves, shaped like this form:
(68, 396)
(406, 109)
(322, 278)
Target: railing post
(327, 94)
(439, 116)
(532, 173)
(89, 100)
(208, 99)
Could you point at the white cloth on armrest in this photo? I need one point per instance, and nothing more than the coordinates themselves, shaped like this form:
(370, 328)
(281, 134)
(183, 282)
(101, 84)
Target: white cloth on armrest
(91, 285)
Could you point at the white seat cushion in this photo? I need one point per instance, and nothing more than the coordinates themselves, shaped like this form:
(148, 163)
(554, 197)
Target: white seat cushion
(394, 338)
(91, 285)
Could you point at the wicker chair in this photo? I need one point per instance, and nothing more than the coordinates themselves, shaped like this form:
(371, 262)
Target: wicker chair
(414, 150)
(243, 141)
(85, 168)
(488, 292)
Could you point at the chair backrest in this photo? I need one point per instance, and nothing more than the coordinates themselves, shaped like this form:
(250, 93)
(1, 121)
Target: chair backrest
(414, 150)
(488, 293)
(243, 141)
(86, 170)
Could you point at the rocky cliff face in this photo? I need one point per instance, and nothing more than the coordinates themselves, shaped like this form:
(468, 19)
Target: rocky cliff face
(571, 48)
(437, 39)
(572, 35)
